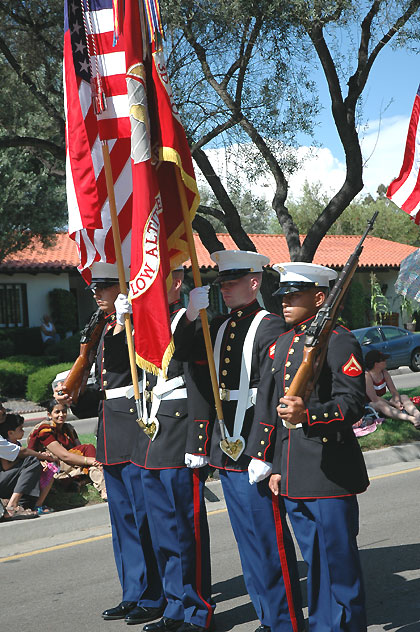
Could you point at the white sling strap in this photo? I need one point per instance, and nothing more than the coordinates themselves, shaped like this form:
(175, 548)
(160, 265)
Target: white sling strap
(164, 389)
(245, 375)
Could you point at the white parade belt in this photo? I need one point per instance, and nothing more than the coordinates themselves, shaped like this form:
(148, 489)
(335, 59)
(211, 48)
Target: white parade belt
(121, 391)
(230, 395)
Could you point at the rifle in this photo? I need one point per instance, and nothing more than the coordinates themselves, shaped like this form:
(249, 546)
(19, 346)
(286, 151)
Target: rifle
(75, 382)
(319, 332)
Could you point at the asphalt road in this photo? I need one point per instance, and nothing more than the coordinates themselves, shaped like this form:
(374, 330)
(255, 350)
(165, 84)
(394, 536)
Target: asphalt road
(66, 587)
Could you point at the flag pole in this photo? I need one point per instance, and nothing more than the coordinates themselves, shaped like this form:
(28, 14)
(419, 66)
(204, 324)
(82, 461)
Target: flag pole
(121, 273)
(203, 314)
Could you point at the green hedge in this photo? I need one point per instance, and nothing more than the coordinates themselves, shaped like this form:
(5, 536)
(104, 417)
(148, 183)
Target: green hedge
(66, 350)
(29, 377)
(20, 340)
(39, 382)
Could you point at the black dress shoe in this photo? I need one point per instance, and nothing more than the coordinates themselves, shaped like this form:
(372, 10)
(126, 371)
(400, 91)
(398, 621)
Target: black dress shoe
(120, 611)
(263, 628)
(164, 624)
(142, 614)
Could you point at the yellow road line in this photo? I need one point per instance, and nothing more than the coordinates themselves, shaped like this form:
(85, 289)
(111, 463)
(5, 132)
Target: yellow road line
(57, 547)
(413, 469)
(108, 535)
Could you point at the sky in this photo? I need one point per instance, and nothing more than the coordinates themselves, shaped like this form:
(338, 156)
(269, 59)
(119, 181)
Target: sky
(387, 103)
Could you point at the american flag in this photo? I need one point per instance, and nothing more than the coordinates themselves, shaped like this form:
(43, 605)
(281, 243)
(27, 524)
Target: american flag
(106, 54)
(404, 191)
(88, 54)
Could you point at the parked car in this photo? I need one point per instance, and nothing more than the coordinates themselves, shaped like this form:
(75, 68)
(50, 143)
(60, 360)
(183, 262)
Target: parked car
(402, 346)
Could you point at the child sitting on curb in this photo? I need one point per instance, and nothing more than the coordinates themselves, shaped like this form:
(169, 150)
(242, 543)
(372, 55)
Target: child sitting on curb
(20, 479)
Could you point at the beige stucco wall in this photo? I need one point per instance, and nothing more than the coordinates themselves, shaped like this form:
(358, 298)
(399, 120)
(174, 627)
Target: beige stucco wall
(37, 288)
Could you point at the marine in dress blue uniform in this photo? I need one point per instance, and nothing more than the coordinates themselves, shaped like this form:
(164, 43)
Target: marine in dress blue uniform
(173, 492)
(142, 597)
(319, 459)
(257, 517)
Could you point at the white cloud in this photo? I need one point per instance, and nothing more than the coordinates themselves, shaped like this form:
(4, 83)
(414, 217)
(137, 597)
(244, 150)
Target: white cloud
(382, 145)
(383, 151)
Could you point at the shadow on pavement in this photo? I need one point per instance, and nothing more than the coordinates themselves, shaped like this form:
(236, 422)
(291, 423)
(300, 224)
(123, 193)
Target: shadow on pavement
(391, 595)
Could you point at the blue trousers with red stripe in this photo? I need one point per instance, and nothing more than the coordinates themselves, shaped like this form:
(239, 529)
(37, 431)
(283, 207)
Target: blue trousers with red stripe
(326, 530)
(266, 549)
(134, 558)
(178, 522)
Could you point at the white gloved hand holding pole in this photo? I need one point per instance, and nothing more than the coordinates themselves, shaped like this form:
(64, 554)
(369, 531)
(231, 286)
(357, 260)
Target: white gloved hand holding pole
(122, 306)
(258, 470)
(198, 299)
(195, 460)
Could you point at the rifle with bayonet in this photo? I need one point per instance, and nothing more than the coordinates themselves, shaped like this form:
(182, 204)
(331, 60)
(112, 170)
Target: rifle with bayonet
(75, 382)
(319, 332)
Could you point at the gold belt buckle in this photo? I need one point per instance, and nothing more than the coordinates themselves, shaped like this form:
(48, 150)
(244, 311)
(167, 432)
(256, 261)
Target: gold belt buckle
(225, 394)
(148, 396)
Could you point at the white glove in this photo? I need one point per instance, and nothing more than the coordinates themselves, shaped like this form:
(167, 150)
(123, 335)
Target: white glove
(199, 299)
(258, 470)
(195, 460)
(122, 306)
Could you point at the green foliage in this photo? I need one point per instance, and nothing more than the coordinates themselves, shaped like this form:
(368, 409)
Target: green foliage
(407, 309)
(354, 314)
(378, 302)
(32, 202)
(13, 378)
(26, 340)
(256, 214)
(390, 224)
(15, 372)
(39, 382)
(63, 310)
(67, 350)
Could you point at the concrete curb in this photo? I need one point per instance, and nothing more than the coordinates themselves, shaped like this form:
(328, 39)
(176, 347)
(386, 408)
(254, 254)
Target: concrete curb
(76, 521)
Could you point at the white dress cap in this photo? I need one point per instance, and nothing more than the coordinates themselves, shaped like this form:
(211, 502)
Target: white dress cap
(296, 276)
(234, 264)
(107, 272)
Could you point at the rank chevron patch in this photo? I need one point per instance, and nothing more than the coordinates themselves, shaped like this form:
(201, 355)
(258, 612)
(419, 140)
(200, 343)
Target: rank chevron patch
(352, 367)
(272, 351)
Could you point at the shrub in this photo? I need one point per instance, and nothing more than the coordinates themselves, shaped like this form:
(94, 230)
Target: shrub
(63, 310)
(354, 314)
(13, 378)
(6, 347)
(25, 340)
(66, 350)
(39, 382)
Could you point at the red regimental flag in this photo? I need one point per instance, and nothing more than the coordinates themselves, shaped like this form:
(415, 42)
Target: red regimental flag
(158, 149)
(88, 54)
(405, 190)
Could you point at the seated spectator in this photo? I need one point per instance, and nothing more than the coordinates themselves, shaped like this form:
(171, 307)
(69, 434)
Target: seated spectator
(378, 381)
(60, 438)
(48, 332)
(20, 472)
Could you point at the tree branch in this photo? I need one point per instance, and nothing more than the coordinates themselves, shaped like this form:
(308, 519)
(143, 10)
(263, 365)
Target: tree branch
(207, 234)
(25, 77)
(35, 143)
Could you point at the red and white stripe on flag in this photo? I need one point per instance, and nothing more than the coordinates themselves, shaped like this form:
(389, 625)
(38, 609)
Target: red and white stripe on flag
(88, 49)
(159, 151)
(404, 191)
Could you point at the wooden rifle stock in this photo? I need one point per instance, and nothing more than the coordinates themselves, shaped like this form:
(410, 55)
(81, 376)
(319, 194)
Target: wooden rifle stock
(319, 332)
(75, 382)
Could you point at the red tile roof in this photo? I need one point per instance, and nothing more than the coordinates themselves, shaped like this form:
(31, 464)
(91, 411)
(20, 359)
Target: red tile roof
(60, 256)
(333, 251)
